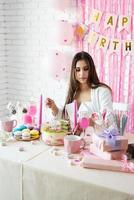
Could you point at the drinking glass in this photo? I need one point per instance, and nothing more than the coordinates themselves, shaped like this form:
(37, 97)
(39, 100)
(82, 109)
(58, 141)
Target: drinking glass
(32, 109)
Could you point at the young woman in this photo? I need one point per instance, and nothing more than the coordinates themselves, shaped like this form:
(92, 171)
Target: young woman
(85, 87)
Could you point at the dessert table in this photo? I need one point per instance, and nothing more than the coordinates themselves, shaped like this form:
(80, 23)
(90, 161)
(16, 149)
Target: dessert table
(12, 158)
(49, 176)
(32, 171)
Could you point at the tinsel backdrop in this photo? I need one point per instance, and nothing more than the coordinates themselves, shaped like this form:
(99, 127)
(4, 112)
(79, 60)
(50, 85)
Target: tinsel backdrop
(105, 29)
(115, 69)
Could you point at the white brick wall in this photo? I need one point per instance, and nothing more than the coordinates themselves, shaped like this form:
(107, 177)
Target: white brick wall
(24, 32)
(3, 80)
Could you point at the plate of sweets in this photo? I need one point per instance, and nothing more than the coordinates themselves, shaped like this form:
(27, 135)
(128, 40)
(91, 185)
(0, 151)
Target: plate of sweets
(53, 133)
(24, 133)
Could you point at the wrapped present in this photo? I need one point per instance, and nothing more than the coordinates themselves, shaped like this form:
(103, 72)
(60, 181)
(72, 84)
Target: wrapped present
(114, 155)
(110, 140)
(112, 165)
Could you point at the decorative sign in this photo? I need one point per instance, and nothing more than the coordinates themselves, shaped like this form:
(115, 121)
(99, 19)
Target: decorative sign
(105, 21)
(111, 20)
(113, 45)
(95, 17)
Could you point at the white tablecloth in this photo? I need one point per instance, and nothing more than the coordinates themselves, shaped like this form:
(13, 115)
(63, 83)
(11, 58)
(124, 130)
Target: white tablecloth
(37, 174)
(50, 177)
(11, 160)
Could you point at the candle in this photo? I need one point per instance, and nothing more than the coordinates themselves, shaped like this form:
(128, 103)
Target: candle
(40, 111)
(75, 113)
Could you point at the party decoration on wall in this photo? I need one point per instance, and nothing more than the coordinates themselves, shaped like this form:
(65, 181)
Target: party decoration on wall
(59, 64)
(61, 33)
(95, 17)
(128, 47)
(102, 42)
(110, 41)
(105, 21)
(79, 31)
(92, 38)
(111, 20)
(104, 29)
(113, 45)
(124, 22)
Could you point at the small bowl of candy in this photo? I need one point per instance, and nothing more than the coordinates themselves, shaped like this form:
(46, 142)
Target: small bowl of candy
(24, 133)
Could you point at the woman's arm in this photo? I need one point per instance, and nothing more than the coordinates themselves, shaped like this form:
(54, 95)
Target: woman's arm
(51, 104)
(56, 112)
(105, 100)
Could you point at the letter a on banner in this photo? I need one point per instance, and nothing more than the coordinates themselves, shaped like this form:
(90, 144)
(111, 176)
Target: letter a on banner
(110, 21)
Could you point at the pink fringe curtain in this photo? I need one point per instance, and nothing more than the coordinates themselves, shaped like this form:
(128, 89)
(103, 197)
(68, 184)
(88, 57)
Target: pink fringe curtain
(114, 69)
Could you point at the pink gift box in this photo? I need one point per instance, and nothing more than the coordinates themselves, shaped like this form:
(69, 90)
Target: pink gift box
(115, 155)
(112, 165)
(121, 143)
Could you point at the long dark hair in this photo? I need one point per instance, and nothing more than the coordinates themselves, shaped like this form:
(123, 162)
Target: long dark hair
(93, 80)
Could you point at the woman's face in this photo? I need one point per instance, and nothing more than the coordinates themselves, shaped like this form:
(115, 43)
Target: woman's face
(81, 72)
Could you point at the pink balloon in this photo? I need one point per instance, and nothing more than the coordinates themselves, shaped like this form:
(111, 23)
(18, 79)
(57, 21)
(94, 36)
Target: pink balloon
(84, 122)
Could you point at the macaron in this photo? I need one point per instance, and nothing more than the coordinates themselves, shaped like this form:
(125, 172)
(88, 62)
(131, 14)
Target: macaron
(26, 135)
(17, 134)
(26, 130)
(34, 133)
(19, 128)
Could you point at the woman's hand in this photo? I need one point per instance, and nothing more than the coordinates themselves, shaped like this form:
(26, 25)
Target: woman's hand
(51, 104)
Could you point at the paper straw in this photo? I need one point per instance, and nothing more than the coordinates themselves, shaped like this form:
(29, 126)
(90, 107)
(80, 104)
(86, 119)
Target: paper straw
(117, 121)
(124, 122)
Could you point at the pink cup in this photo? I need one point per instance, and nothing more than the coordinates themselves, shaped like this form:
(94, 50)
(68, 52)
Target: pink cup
(73, 143)
(8, 125)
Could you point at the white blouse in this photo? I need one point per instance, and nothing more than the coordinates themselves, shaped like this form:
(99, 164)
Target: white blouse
(101, 99)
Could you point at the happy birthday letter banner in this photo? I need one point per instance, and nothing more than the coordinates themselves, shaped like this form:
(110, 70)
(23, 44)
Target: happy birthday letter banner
(114, 22)
(112, 45)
